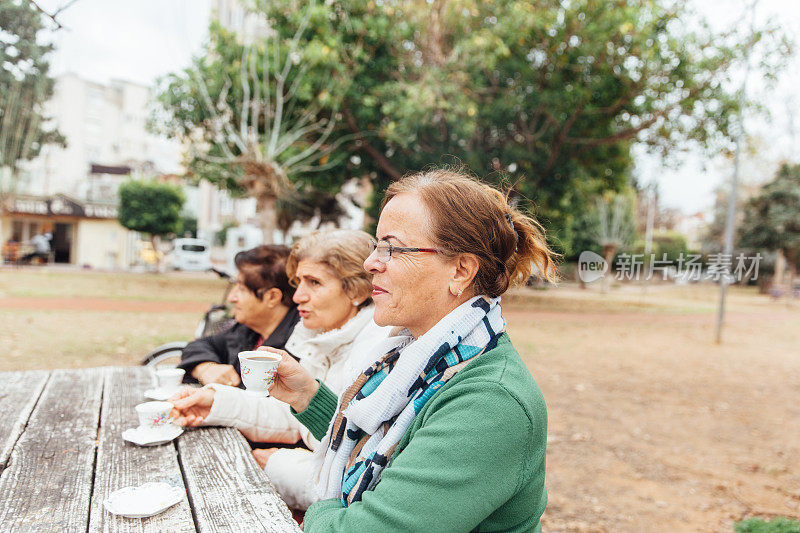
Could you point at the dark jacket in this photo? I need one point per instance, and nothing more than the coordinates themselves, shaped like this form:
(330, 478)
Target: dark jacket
(224, 348)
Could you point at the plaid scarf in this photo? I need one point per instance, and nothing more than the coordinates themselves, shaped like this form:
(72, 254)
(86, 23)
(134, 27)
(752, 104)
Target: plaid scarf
(376, 410)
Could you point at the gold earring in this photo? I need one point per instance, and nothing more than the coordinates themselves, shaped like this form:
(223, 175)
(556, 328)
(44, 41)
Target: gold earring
(460, 291)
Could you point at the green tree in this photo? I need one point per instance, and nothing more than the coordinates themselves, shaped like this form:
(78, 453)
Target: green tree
(545, 96)
(772, 218)
(25, 85)
(151, 207)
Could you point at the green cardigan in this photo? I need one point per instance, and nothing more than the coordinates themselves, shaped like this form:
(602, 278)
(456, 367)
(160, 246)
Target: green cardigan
(473, 459)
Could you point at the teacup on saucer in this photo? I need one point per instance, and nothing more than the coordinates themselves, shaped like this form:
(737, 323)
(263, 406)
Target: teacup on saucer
(154, 415)
(169, 378)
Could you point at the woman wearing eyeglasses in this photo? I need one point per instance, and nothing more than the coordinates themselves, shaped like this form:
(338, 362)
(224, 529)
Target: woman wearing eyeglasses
(442, 427)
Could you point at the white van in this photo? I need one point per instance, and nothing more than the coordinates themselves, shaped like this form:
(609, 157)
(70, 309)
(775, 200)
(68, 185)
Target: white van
(238, 239)
(190, 254)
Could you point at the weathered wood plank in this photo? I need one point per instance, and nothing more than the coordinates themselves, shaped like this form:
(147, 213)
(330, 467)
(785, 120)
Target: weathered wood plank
(47, 484)
(19, 392)
(228, 490)
(122, 464)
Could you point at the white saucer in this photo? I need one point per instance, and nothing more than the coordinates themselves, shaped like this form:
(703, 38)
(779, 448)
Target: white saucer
(161, 394)
(143, 436)
(143, 501)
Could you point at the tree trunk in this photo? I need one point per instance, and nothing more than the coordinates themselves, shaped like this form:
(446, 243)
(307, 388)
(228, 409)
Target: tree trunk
(780, 269)
(267, 217)
(609, 251)
(581, 283)
(155, 242)
(6, 190)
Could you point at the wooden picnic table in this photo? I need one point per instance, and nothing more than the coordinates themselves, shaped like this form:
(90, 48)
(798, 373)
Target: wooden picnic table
(62, 454)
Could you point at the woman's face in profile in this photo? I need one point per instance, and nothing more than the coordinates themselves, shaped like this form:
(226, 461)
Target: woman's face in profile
(248, 309)
(412, 289)
(321, 300)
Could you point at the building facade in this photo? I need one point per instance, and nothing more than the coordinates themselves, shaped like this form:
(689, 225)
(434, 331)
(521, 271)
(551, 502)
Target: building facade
(105, 127)
(83, 233)
(71, 192)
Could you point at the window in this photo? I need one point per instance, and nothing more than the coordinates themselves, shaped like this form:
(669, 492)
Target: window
(193, 248)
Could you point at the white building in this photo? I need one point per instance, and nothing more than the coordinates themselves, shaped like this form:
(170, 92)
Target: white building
(104, 125)
(107, 143)
(234, 16)
(216, 208)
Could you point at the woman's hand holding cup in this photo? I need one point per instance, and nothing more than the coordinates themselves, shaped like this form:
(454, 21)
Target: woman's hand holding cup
(191, 406)
(293, 384)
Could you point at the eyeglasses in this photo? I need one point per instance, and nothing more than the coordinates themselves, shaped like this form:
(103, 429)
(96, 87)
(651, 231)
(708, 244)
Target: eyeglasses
(385, 250)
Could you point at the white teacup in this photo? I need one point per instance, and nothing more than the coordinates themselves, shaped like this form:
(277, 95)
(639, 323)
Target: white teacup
(154, 415)
(169, 378)
(258, 369)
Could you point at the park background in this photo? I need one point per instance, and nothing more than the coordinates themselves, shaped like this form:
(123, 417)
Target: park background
(621, 125)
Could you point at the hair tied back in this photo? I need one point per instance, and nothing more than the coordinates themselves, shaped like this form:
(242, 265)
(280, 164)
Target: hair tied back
(514, 229)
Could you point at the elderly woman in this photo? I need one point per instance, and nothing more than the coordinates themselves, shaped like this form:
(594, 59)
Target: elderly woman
(443, 428)
(265, 316)
(333, 297)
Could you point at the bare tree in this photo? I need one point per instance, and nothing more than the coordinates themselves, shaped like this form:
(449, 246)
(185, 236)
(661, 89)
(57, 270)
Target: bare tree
(267, 137)
(54, 14)
(614, 227)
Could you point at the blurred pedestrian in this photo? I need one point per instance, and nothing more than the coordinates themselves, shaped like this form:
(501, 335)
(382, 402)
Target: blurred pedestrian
(41, 248)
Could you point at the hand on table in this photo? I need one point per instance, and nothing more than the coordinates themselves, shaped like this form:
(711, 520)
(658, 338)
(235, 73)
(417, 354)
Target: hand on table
(293, 384)
(209, 372)
(191, 406)
(262, 455)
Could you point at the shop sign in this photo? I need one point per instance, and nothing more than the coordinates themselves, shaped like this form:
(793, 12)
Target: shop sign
(61, 206)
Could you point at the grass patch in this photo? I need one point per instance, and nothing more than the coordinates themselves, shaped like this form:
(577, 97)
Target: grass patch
(776, 525)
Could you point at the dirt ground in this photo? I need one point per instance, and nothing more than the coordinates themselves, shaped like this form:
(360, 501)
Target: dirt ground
(51, 318)
(653, 426)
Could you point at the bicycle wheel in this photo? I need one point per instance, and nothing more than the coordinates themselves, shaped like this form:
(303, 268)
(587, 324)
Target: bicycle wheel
(170, 352)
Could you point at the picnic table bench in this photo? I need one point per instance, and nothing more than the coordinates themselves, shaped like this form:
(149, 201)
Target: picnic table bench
(62, 454)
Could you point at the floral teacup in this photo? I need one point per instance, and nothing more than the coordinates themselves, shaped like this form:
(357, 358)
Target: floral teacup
(154, 415)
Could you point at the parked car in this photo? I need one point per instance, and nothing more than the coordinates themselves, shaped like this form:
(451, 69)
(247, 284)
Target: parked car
(190, 254)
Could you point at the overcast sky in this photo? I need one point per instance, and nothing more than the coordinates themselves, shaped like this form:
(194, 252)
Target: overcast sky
(135, 41)
(142, 40)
